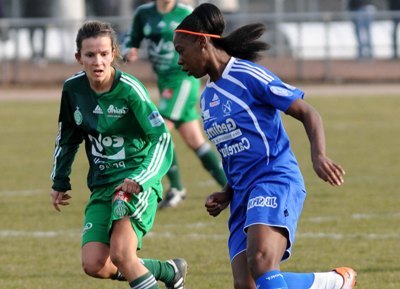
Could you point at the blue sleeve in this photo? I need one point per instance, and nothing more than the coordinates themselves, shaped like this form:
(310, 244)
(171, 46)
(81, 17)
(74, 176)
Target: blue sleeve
(281, 95)
(269, 89)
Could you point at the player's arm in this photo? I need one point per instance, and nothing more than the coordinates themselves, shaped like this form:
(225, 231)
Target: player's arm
(159, 157)
(133, 39)
(67, 143)
(325, 168)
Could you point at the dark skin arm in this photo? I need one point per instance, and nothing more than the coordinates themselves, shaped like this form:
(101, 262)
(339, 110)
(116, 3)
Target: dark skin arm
(218, 201)
(325, 168)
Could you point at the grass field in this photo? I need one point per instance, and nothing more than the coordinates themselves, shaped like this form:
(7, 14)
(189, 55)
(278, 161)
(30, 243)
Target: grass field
(355, 225)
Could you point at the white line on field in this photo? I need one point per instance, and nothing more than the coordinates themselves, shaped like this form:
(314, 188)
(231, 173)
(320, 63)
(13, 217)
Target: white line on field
(21, 193)
(197, 236)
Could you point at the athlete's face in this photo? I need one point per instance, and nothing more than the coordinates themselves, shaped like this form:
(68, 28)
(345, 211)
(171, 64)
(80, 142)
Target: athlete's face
(97, 56)
(191, 54)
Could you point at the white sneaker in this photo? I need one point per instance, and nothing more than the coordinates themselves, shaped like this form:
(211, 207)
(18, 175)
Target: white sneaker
(349, 277)
(172, 198)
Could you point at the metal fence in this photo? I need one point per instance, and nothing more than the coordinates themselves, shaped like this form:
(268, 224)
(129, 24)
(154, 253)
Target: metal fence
(327, 36)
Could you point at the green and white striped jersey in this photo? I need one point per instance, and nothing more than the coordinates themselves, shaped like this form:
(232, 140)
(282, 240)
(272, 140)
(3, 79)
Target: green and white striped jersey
(125, 136)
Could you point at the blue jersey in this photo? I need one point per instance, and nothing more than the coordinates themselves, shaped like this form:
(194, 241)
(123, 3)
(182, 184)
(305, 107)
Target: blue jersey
(241, 116)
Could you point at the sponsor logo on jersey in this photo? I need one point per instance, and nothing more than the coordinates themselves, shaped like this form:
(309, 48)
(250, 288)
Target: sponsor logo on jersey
(161, 24)
(100, 144)
(114, 111)
(98, 110)
(155, 119)
(226, 108)
(234, 148)
(260, 201)
(215, 101)
(147, 29)
(217, 129)
(78, 117)
(281, 91)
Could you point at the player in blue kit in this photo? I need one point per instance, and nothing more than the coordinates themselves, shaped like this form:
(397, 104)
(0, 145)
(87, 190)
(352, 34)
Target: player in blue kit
(241, 107)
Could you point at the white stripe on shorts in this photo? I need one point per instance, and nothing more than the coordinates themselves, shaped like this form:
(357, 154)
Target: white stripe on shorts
(181, 100)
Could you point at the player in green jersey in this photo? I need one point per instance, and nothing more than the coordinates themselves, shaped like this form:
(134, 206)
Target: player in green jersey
(156, 22)
(129, 150)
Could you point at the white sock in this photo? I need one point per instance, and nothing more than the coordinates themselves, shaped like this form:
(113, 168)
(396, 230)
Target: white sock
(327, 280)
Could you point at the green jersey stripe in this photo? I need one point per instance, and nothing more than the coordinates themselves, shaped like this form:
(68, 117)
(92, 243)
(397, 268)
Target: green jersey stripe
(79, 74)
(136, 86)
(157, 159)
(142, 205)
(152, 162)
(57, 152)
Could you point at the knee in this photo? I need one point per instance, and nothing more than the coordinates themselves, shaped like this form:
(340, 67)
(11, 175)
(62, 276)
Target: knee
(94, 268)
(118, 258)
(260, 262)
(241, 284)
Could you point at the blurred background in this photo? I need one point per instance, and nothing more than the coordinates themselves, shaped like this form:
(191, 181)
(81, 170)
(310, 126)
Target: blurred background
(311, 40)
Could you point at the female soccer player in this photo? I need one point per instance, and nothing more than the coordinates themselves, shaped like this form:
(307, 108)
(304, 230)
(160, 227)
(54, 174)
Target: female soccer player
(156, 22)
(240, 107)
(128, 148)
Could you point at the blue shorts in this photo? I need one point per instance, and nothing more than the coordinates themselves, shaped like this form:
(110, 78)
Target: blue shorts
(277, 203)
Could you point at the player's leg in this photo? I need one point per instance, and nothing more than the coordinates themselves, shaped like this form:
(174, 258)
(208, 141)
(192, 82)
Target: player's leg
(241, 274)
(173, 173)
(193, 136)
(123, 247)
(270, 236)
(169, 107)
(96, 260)
(126, 238)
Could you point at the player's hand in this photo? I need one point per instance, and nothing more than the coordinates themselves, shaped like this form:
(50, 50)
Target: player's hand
(129, 186)
(131, 55)
(329, 171)
(59, 199)
(217, 202)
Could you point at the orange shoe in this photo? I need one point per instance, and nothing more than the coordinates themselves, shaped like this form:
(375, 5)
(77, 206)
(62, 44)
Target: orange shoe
(349, 277)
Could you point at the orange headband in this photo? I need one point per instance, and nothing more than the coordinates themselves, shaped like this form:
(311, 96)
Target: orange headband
(198, 33)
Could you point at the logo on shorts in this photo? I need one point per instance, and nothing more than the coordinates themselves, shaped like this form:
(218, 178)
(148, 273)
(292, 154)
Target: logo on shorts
(86, 228)
(120, 209)
(262, 202)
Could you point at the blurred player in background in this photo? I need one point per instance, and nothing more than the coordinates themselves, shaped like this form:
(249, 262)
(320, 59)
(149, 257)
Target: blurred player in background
(363, 15)
(128, 148)
(156, 22)
(394, 5)
(241, 107)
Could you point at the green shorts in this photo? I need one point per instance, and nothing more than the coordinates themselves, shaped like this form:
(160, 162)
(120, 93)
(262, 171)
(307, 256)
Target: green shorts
(178, 98)
(106, 206)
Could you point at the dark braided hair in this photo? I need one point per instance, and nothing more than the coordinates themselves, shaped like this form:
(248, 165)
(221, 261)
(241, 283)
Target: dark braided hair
(241, 43)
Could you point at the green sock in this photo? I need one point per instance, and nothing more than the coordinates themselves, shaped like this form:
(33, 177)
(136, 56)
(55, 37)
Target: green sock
(146, 281)
(211, 163)
(161, 270)
(174, 175)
